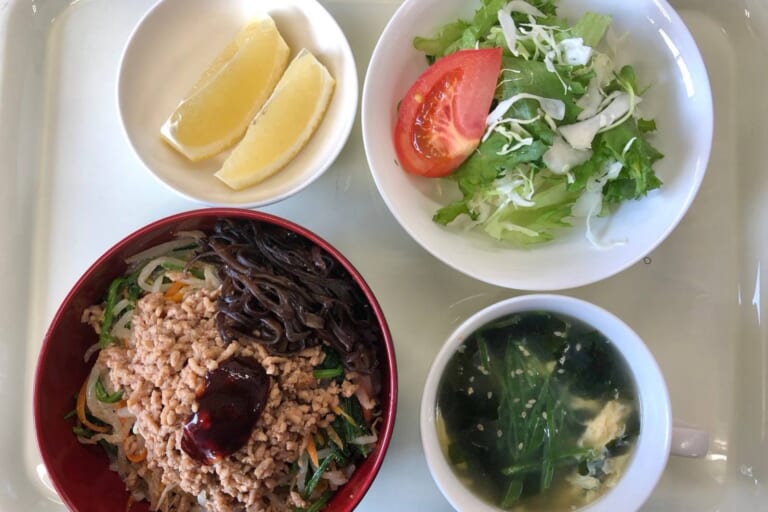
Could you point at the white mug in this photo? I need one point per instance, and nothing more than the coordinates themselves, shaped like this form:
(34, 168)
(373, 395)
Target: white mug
(658, 436)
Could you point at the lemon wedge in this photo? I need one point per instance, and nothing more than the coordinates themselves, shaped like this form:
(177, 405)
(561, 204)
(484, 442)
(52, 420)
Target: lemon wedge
(216, 111)
(283, 126)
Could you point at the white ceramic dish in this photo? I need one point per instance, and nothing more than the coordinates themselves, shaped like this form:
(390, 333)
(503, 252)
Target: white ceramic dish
(171, 47)
(653, 444)
(696, 298)
(664, 54)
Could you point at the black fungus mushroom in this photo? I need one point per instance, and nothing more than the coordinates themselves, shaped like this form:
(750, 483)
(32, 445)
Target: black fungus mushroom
(285, 292)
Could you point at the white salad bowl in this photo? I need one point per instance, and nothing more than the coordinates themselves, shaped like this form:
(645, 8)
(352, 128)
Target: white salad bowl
(652, 448)
(651, 36)
(171, 47)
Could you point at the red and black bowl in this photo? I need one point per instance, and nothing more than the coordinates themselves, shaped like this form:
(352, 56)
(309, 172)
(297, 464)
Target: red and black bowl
(81, 473)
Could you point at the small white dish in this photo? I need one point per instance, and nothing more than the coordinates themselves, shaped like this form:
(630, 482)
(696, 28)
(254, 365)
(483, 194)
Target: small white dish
(652, 447)
(168, 51)
(656, 41)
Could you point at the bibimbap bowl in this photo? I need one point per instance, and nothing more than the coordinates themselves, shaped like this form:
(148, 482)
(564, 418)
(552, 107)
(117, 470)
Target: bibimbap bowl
(318, 381)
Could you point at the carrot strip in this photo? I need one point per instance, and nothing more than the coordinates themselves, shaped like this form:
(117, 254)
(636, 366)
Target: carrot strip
(312, 450)
(367, 414)
(341, 412)
(172, 293)
(135, 457)
(81, 411)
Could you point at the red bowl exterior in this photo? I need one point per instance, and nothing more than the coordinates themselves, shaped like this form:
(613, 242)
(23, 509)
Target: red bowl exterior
(80, 473)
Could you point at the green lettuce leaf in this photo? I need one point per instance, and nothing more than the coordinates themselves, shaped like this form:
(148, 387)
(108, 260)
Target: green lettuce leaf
(479, 172)
(646, 125)
(591, 28)
(624, 80)
(531, 76)
(540, 223)
(485, 165)
(446, 36)
(637, 178)
(545, 222)
(478, 181)
(462, 34)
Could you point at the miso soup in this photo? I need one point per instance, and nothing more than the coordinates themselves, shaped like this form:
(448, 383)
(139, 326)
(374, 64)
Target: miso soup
(538, 412)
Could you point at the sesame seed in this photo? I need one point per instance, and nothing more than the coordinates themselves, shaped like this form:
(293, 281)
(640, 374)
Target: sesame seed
(490, 394)
(523, 414)
(529, 405)
(472, 379)
(520, 446)
(470, 390)
(578, 347)
(544, 415)
(519, 371)
(480, 427)
(498, 433)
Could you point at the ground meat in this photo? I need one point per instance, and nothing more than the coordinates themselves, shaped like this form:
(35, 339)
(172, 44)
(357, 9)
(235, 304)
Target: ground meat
(172, 348)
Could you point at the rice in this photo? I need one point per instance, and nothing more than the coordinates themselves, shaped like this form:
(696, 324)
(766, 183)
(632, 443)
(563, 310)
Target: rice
(163, 365)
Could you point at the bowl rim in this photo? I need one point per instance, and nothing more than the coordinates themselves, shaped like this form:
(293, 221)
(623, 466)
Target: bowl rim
(344, 131)
(390, 410)
(652, 450)
(545, 283)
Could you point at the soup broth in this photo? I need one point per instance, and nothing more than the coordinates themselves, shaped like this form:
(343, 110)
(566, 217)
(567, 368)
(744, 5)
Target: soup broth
(537, 411)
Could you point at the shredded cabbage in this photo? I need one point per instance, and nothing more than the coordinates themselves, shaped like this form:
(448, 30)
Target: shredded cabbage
(581, 134)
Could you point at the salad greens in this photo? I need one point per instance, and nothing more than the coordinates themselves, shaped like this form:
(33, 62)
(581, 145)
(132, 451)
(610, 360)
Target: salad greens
(564, 138)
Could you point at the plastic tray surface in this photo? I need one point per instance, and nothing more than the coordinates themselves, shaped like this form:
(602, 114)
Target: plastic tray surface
(72, 187)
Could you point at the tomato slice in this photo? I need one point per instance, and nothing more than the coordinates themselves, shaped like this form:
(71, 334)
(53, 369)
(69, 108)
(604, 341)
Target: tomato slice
(442, 116)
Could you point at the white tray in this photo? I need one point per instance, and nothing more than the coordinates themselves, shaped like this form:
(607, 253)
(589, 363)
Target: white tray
(72, 187)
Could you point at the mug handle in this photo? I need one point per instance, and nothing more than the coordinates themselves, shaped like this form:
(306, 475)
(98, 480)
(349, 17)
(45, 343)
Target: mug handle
(689, 442)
